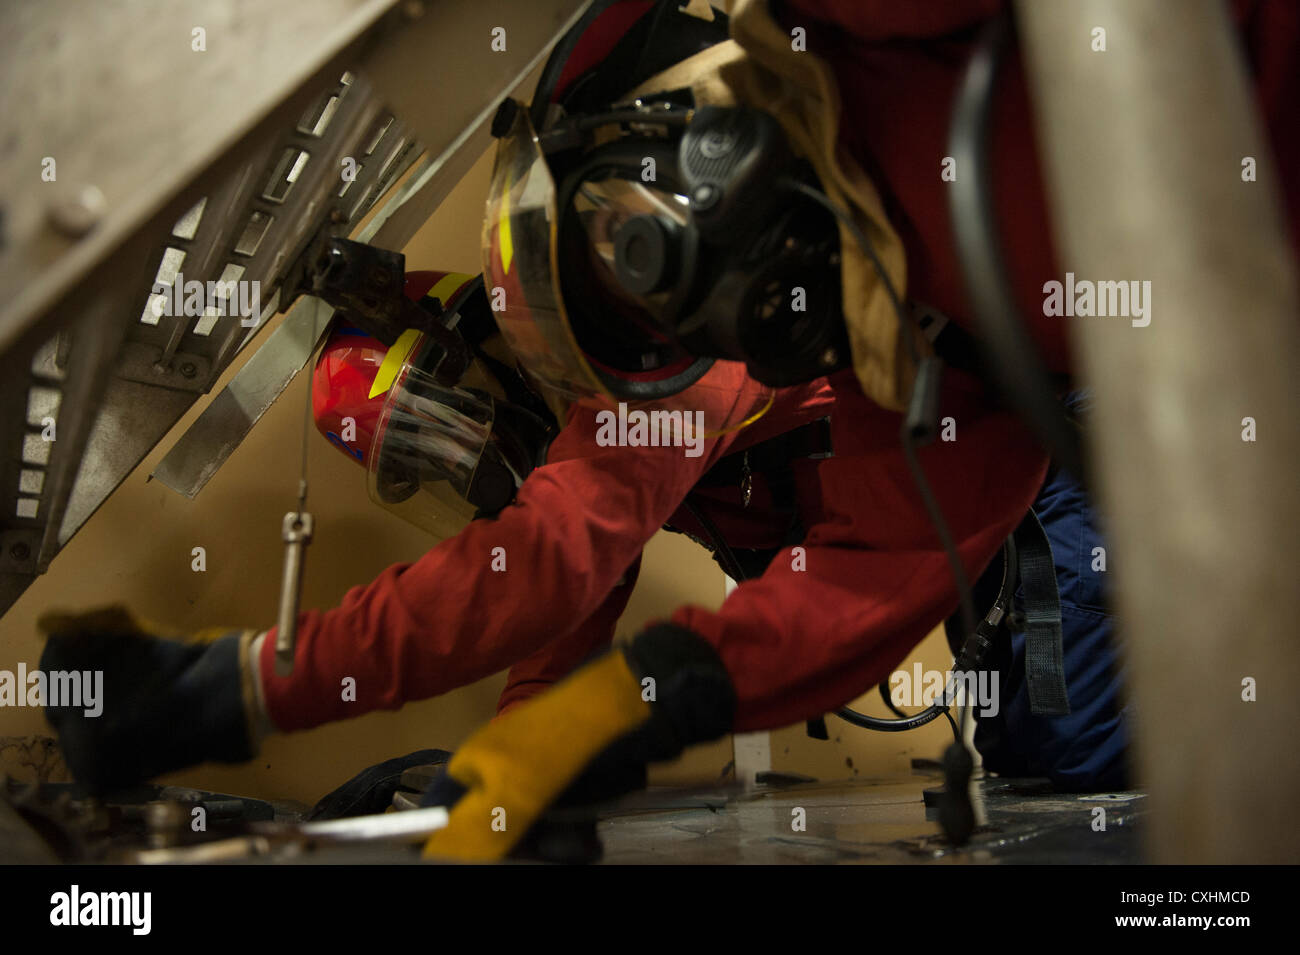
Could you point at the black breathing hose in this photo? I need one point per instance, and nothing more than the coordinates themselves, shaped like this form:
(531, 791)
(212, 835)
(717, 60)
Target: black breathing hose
(1008, 352)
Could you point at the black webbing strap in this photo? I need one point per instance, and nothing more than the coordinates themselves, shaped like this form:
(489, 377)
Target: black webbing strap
(1040, 596)
(1041, 605)
(662, 37)
(956, 346)
(476, 326)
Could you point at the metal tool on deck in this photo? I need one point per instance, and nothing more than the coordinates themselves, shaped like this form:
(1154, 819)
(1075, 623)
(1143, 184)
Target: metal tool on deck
(297, 840)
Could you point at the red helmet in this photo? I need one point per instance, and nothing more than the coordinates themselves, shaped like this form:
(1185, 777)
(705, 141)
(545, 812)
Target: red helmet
(437, 455)
(351, 380)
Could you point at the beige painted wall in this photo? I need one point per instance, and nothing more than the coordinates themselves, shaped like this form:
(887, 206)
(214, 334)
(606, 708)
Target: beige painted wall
(137, 550)
(853, 753)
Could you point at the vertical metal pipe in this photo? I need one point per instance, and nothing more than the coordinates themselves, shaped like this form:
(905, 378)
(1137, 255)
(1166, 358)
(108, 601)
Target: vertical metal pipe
(1144, 145)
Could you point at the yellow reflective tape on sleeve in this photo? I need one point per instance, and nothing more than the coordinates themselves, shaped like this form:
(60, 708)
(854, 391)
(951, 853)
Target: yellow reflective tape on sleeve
(392, 362)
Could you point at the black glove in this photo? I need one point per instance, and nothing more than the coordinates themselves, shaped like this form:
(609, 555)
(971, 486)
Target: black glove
(165, 704)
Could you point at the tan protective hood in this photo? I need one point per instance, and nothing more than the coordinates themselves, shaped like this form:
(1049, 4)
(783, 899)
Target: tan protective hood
(759, 67)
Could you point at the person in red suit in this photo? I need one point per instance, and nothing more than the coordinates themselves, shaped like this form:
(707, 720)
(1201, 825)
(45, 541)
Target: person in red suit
(819, 626)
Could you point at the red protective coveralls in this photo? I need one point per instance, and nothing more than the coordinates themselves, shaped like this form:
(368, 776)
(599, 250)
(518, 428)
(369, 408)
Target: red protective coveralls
(797, 642)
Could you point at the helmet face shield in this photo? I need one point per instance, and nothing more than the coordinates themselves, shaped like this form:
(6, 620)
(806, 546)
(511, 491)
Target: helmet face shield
(443, 439)
(437, 459)
(519, 232)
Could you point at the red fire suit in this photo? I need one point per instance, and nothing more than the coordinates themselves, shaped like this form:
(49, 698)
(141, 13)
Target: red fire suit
(822, 626)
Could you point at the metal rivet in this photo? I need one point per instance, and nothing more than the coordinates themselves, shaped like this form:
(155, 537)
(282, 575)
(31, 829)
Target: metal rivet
(76, 212)
(20, 551)
(188, 369)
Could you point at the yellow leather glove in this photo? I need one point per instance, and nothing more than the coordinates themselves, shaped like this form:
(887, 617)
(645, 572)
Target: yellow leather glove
(666, 690)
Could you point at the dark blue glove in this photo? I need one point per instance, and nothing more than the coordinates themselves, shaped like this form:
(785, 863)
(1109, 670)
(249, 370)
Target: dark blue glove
(163, 704)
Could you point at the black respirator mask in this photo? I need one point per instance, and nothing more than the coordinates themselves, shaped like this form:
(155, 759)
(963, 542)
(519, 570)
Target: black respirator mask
(698, 238)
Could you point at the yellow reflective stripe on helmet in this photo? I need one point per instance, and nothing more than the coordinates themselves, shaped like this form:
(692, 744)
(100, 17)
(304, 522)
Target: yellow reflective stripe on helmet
(447, 286)
(443, 290)
(504, 242)
(392, 362)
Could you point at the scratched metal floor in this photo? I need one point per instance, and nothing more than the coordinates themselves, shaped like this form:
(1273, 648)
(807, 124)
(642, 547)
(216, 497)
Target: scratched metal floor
(881, 821)
(852, 822)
